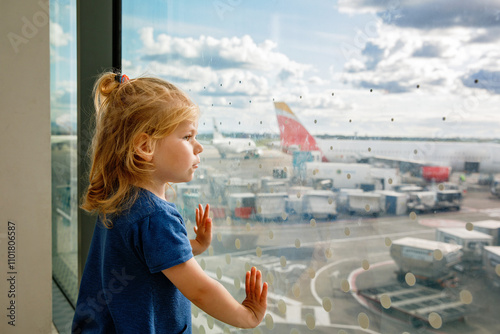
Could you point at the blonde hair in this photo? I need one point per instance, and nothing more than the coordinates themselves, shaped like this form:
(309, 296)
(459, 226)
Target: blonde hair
(123, 112)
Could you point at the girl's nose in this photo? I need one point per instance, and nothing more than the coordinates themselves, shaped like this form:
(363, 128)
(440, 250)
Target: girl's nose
(198, 148)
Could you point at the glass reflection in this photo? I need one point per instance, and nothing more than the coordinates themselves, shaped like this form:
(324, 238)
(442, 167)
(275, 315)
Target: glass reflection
(63, 143)
(342, 141)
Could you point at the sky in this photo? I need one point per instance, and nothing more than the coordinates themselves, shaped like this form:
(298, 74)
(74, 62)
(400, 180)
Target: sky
(347, 67)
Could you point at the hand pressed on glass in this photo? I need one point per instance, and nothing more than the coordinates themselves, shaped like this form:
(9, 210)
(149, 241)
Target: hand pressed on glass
(256, 292)
(203, 230)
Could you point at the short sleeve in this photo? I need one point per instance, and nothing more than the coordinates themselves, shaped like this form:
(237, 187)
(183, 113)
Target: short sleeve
(162, 241)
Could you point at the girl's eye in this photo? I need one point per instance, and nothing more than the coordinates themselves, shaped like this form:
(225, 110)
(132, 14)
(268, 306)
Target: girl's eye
(187, 137)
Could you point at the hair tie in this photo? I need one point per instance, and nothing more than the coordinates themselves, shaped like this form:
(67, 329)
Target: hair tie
(121, 78)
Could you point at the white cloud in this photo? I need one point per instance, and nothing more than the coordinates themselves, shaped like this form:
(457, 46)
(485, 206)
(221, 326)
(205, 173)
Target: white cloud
(57, 35)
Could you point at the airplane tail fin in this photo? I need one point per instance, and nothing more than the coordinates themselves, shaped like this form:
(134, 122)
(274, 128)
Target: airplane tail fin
(292, 133)
(217, 134)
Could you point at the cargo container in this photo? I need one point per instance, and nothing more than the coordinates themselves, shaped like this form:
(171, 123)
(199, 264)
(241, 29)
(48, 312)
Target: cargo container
(343, 198)
(472, 242)
(422, 201)
(491, 264)
(392, 202)
(295, 200)
(491, 227)
(270, 205)
(271, 185)
(343, 175)
(238, 185)
(242, 205)
(364, 203)
(320, 204)
(419, 257)
(436, 173)
(448, 199)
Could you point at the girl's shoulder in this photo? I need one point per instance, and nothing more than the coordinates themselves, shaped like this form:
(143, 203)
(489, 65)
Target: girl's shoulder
(148, 204)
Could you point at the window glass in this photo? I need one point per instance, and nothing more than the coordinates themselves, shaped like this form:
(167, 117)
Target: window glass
(351, 153)
(63, 142)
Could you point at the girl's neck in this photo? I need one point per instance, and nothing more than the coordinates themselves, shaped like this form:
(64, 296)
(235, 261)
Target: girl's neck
(158, 190)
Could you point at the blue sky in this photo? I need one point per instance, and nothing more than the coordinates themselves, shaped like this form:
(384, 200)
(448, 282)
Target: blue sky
(397, 68)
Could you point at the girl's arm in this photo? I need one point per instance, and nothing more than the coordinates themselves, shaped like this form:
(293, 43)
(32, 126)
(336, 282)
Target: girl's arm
(203, 230)
(210, 296)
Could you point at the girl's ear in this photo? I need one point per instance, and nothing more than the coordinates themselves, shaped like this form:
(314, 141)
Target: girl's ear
(143, 146)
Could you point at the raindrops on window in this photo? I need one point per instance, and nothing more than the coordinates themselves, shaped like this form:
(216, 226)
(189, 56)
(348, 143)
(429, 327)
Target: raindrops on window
(270, 278)
(466, 296)
(438, 254)
(327, 304)
(210, 322)
(283, 261)
(237, 243)
(312, 222)
(268, 319)
(310, 321)
(385, 301)
(296, 290)
(344, 285)
(271, 235)
(282, 306)
(435, 320)
(297, 243)
(410, 279)
(258, 252)
(228, 258)
(365, 264)
(363, 320)
(469, 226)
(347, 231)
(328, 253)
(413, 215)
(219, 273)
(388, 241)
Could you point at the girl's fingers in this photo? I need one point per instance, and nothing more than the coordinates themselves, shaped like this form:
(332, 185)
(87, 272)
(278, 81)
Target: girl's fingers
(258, 283)
(263, 296)
(207, 211)
(247, 283)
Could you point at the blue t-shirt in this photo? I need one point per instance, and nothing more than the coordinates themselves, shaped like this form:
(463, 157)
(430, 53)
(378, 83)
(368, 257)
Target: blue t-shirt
(123, 289)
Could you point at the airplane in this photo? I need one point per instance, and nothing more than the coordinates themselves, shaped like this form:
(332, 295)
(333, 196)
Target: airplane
(226, 145)
(434, 159)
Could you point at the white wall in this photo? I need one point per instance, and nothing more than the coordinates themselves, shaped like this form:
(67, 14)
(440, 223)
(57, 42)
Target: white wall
(25, 164)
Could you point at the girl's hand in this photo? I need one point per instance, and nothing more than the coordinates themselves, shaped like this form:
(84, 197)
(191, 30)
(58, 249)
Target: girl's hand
(256, 300)
(203, 230)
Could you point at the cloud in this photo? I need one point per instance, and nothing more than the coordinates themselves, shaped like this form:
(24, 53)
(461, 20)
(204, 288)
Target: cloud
(397, 59)
(218, 54)
(57, 35)
(426, 15)
(483, 79)
(428, 50)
